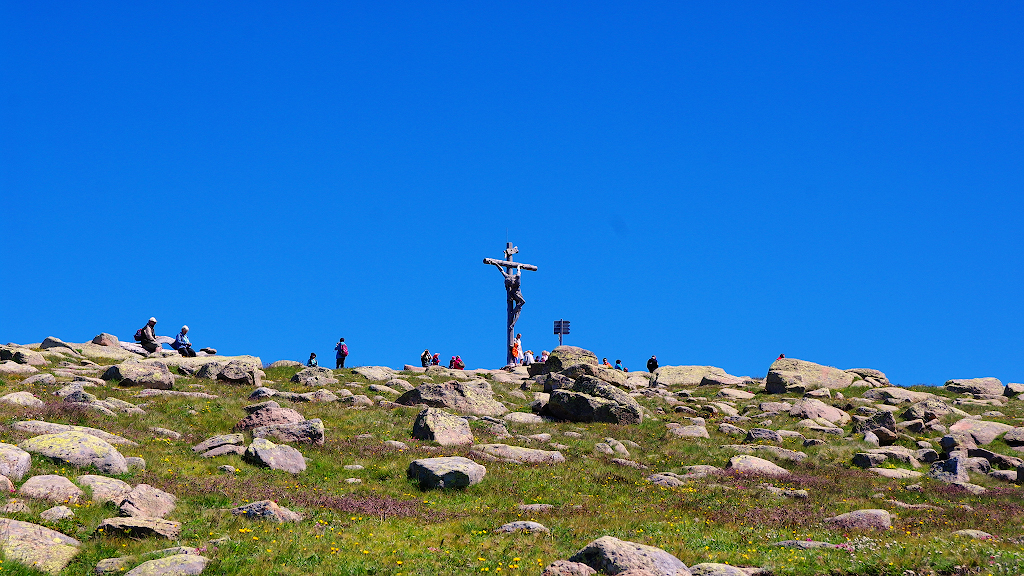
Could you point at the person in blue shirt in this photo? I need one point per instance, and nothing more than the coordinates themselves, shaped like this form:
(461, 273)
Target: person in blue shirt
(312, 360)
(182, 344)
(618, 365)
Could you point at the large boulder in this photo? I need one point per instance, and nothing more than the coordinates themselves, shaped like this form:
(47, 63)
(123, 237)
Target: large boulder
(21, 355)
(305, 432)
(617, 377)
(441, 427)
(592, 400)
(813, 408)
(104, 339)
(446, 472)
(241, 371)
(105, 489)
(983, 431)
(14, 462)
(952, 470)
(268, 416)
(176, 565)
(12, 367)
(314, 376)
(563, 357)
(989, 386)
(870, 376)
(516, 454)
(375, 373)
(609, 555)
(684, 375)
(25, 399)
(53, 342)
(51, 487)
(35, 546)
(78, 449)
(263, 452)
(145, 500)
(930, 409)
(144, 374)
(474, 397)
(792, 375)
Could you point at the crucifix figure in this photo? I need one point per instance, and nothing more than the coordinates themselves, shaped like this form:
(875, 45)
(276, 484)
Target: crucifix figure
(512, 272)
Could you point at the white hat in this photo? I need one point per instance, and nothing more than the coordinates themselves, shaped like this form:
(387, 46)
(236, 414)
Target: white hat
(184, 328)
(153, 320)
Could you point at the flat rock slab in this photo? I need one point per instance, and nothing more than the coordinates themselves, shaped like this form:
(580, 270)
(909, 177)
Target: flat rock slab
(12, 367)
(715, 569)
(269, 416)
(468, 397)
(522, 526)
(991, 386)
(870, 519)
(747, 464)
(523, 418)
(56, 513)
(217, 441)
(609, 555)
(516, 454)
(780, 453)
(105, 489)
(305, 432)
(78, 449)
(692, 431)
(446, 472)
(803, 544)
(895, 473)
(178, 565)
(133, 373)
(263, 452)
(120, 564)
(14, 462)
(982, 431)
(141, 527)
(375, 373)
(22, 399)
(35, 546)
(267, 510)
(39, 427)
(51, 487)
(314, 376)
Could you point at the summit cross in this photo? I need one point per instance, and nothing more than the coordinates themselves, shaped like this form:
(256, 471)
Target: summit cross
(512, 273)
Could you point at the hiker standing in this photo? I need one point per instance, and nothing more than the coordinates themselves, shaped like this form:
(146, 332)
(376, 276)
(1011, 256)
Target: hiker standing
(652, 364)
(342, 353)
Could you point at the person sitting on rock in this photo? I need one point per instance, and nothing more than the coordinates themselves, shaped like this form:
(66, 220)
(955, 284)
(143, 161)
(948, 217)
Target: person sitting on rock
(436, 360)
(147, 336)
(618, 365)
(652, 364)
(605, 363)
(312, 360)
(459, 364)
(182, 344)
(528, 358)
(425, 358)
(544, 356)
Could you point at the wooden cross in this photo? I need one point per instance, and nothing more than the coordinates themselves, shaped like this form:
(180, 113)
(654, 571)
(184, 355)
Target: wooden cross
(513, 276)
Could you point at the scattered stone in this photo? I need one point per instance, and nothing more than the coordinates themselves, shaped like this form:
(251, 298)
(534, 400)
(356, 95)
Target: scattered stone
(522, 526)
(982, 431)
(895, 473)
(763, 435)
(692, 431)
(12, 367)
(974, 534)
(14, 462)
(781, 453)
(267, 416)
(441, 427)
(263, 452)
(870, 519)
(78, 449)
(792, 375)
(715, 569)
(144, 500)
(22, 399)
(37, 427)
(446, 472)
(44, 379)
(991, 386)
(177, 565)
(56, 513)
(267, 510)
(305, 432)
(566, 568)
(475, 397)
(104, 488)
(141, 527)
(314, 376)
(785, 492)
(516, 454)
(670, 376)
(35, 546)
(51, 487)
(613, 556)
(147, 375)
(747, 464)
(813, 408)
(803, 544)
(135, 463)
(396, 444)
(242, 372)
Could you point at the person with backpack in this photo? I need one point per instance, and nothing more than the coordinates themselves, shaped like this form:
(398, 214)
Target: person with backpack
(652, 364)
(436, 360)
(342, 353)
(425, 358)
(146, 336)
(458, 364)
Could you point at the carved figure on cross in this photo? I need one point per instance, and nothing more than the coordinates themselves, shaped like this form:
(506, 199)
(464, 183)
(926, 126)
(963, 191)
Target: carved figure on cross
(512, 272)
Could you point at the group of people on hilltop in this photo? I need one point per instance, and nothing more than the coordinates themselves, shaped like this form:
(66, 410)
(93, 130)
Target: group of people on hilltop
(521, 357)
(427, 359)
(150, 342)
(340, 353)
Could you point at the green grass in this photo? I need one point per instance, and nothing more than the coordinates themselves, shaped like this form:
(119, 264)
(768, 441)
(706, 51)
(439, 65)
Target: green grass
(387, 525)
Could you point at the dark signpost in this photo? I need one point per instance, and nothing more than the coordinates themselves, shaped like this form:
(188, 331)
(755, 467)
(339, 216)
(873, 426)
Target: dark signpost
(512, 271)
(561, 327)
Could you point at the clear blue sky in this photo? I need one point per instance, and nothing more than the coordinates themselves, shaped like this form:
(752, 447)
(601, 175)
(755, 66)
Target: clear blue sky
(715, 183)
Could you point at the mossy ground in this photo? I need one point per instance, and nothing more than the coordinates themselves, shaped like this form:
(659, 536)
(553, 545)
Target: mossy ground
(386, 525)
